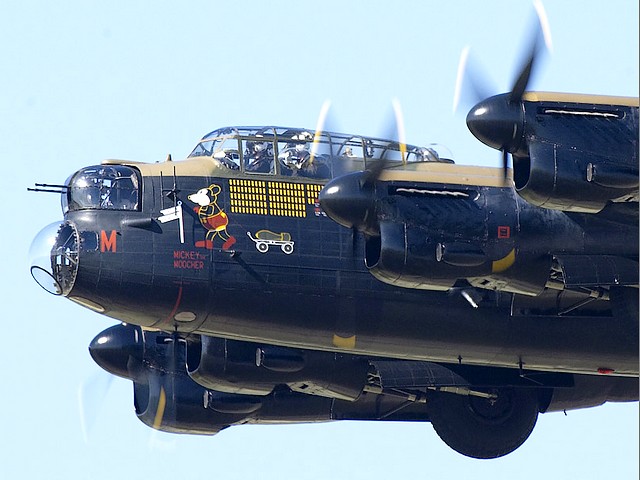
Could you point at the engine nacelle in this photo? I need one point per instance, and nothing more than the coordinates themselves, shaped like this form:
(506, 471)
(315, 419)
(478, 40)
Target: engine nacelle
(172, 402)
(591, 391)
(570, 153)
(167, 399)
(409, 256)
(571, 180)
(252, 369)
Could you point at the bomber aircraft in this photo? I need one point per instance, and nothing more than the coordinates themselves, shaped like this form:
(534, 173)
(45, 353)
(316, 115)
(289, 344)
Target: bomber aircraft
(473, 298)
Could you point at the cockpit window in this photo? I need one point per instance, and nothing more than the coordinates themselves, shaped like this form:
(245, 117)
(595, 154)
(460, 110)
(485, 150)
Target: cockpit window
(320, 155)
(109, 187)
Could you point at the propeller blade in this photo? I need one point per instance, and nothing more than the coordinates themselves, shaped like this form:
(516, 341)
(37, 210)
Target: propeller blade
(524, 76)
(372, 173)
(396, 133)
(472, 82)
(91, 396)
(118, 350)
(540, 39)
(543, 21)
(320, 128)
(400, 130)
(161, 442)
(497, 120)
(349, 199)
(505, 163)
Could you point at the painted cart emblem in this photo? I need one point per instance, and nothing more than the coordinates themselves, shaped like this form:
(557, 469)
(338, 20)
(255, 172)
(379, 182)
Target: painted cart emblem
(265, 238)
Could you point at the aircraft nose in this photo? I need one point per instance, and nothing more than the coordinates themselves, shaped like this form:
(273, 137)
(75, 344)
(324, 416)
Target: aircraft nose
(54, 257)
(348, 200)
(118, 350)
(498, 123)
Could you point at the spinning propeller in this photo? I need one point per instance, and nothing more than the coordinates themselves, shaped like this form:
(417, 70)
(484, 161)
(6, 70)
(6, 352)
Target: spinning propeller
(350, 199)
(91, 397)
(120, 350)
(498, 121)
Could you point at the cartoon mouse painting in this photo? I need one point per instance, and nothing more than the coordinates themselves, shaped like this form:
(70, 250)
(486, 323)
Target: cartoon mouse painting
(212, 217)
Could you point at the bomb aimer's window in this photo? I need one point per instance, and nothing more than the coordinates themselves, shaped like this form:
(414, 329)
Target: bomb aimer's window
(110, 187)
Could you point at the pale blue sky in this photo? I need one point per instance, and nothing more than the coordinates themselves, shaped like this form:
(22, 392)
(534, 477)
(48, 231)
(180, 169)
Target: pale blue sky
(82, 81)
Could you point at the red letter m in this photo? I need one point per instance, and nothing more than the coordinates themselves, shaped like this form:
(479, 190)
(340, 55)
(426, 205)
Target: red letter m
(108, 243)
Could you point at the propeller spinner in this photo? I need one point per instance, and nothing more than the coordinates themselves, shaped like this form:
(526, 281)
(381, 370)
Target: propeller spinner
(350, 200)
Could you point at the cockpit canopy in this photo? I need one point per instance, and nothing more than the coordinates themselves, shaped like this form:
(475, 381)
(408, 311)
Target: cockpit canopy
(298, 152)
(107, 187)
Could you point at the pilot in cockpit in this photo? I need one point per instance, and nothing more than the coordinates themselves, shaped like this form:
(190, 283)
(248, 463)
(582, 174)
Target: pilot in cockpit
(258, 157)
(296, 155)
